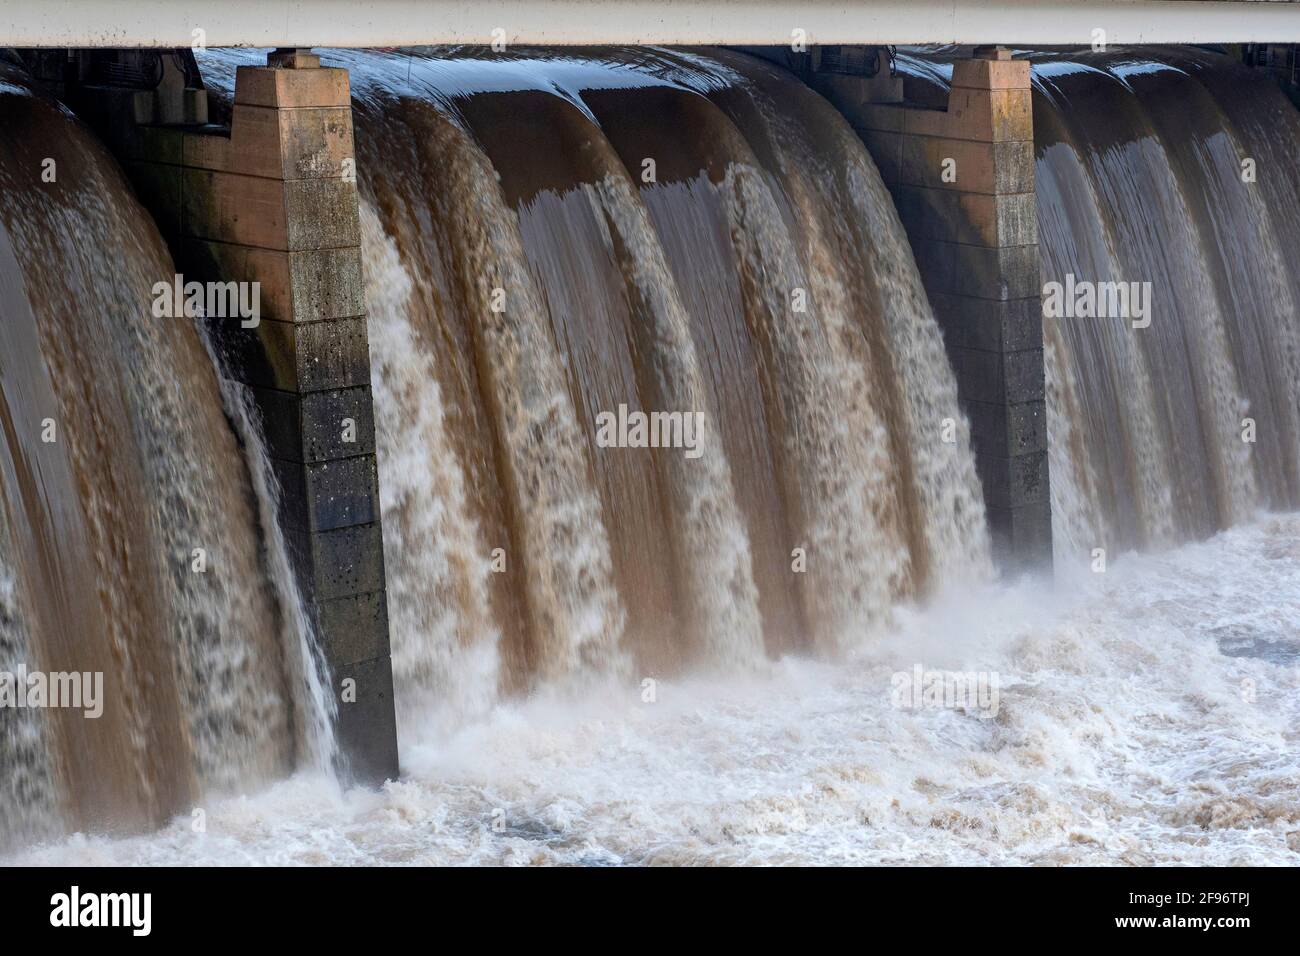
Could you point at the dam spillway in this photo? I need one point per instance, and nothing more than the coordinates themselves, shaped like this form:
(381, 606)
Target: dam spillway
(121, 460)
(1186, 460)
(526, 271)
(1153, 428)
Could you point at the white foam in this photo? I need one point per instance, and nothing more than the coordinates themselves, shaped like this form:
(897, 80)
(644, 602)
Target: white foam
(1123, 735)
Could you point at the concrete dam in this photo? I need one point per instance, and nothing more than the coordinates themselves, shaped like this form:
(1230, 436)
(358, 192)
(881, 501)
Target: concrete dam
(585, 433)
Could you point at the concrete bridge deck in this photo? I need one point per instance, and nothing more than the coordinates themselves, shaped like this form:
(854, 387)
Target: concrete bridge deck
(385, 23)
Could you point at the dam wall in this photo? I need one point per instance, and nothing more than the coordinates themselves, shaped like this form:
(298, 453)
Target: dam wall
(269, 195)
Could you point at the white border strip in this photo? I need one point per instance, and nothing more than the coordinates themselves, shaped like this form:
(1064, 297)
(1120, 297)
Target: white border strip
(387, 23)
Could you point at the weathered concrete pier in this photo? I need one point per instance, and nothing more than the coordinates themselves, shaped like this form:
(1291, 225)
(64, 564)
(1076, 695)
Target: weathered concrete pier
(963, 182)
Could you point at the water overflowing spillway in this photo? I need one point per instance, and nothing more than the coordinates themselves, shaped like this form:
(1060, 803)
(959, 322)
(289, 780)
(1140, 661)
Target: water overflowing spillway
(119, 469)
(1150, 422)
(556, 240)
(1173, 169)
(552, 237)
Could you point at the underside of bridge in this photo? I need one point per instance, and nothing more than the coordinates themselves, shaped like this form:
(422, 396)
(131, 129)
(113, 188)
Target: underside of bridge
(391, 23)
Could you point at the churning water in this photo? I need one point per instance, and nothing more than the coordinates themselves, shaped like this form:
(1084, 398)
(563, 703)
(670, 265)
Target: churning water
(607, 655)
(1148, 715)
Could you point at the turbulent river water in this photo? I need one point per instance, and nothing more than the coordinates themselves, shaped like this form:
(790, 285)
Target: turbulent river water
(1146, 715)
(620, 655)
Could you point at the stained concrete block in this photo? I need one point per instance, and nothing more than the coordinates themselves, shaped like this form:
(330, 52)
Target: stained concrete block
(291, 89)
(1005, 430)
(998, 377)
(996, 74)
(979, 375)
(315, 142)
(246, 210)
(1024, 377)
(991, 325)
(309, 143)
(1013, 482)
(367, 730)
(326, 283)
(306, 357)
(250, 147)
(338, 563)
(323, 214)
(984, 115)
(323, 417)
(979, 167)
(1004, 272)
(303, 286)
(326, 495)
(270, 214)
(354, 628)
(310, 427)
(969, 218)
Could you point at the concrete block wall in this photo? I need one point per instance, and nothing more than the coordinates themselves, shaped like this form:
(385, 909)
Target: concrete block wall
(273, 199)
(963, 183)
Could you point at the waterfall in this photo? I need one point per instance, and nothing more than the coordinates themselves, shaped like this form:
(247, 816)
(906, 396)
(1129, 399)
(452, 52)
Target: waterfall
(1171, 168)
(549, 238)
(1130, 149)
(1141, 178)
(129, 536)
(659, 399)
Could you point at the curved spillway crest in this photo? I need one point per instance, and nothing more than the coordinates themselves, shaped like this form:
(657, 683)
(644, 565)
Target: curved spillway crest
(116, 464)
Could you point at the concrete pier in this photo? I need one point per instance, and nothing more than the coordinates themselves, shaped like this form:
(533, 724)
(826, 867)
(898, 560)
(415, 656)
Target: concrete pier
(1280, 60)
(272, 199)
(963, 182)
